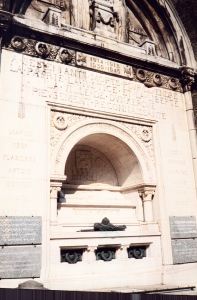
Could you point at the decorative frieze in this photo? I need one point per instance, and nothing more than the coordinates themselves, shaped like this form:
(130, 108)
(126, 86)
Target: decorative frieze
(71, 57)
(42, 50)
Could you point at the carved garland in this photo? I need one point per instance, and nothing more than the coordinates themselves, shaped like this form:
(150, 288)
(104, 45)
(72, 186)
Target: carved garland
(68, 56)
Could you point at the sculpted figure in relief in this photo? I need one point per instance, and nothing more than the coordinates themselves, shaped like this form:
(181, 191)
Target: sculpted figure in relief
(120, 9)
(80, 14)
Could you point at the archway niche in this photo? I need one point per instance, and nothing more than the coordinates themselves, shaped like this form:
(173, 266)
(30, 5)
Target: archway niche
(107, 161)
(103, 178)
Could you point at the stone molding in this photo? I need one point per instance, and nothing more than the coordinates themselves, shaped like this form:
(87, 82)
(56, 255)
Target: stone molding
(60, 138)
(72, 119)
(68, 56)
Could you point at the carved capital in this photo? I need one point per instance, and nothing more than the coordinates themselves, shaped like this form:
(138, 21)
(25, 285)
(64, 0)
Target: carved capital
(54, 191)
(187, 79)
(147, 195)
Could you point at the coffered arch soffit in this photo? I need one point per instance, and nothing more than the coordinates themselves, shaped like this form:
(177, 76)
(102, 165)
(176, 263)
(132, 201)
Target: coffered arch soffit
(135, 22)
(85, 129)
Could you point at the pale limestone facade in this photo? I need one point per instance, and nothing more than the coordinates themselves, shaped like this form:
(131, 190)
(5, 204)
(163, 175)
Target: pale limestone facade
(96, 104)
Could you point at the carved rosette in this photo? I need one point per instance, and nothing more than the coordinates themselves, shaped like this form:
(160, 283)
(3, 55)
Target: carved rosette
(60, 121)
(145, 134)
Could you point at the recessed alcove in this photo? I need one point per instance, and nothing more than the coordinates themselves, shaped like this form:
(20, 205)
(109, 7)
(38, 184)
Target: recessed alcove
(103, 177)
(109, 151)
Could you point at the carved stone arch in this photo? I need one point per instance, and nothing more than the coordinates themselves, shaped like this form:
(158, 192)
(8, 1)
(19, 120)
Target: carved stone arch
(163, 26)
(89, 128)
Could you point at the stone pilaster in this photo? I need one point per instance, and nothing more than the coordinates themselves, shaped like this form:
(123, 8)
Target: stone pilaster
(147, 196)
(53, 203)
(188, 79)
(56, 185)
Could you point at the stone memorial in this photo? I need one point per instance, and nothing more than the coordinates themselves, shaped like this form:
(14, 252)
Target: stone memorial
(183, 227)
(20, 230)
(20, 262)
(184, 251)
(97, 123)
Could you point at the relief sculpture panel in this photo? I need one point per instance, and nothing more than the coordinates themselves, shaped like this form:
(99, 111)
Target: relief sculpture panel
(86, 165)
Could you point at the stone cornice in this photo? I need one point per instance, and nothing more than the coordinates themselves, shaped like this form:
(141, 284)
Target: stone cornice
(89, 42)
(65, 55)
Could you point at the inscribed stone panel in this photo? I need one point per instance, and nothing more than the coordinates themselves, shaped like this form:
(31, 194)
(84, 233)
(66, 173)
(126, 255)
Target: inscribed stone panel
(20, 262)
(184, 251)
(183, 227)
(76, 87)
(20, 230)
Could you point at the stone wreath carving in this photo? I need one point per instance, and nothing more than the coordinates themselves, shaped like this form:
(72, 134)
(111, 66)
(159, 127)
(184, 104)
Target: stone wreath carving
(173, 83)
(105, 254)
(105, 225)
(141, 75)
(137, 252)
(157, 79)
(66, 56)
(71, 256)
(42, 49)
(18, 43)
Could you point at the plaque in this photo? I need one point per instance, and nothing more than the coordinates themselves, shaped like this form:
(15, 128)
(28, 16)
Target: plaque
(184, 251)
(183, 227)
(20, 230)
(20, 262)
(104, 65)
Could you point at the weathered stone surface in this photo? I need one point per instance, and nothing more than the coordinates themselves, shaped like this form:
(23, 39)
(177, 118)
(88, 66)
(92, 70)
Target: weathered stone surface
(184, 251)
(20, 230)
(104, 65)
(31, 285)
(20, 262)
(183, 227)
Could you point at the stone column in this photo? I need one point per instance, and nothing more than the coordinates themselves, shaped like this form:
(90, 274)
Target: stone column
(53, 204)
(147, 196)
(56, 185)
(187, 82)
